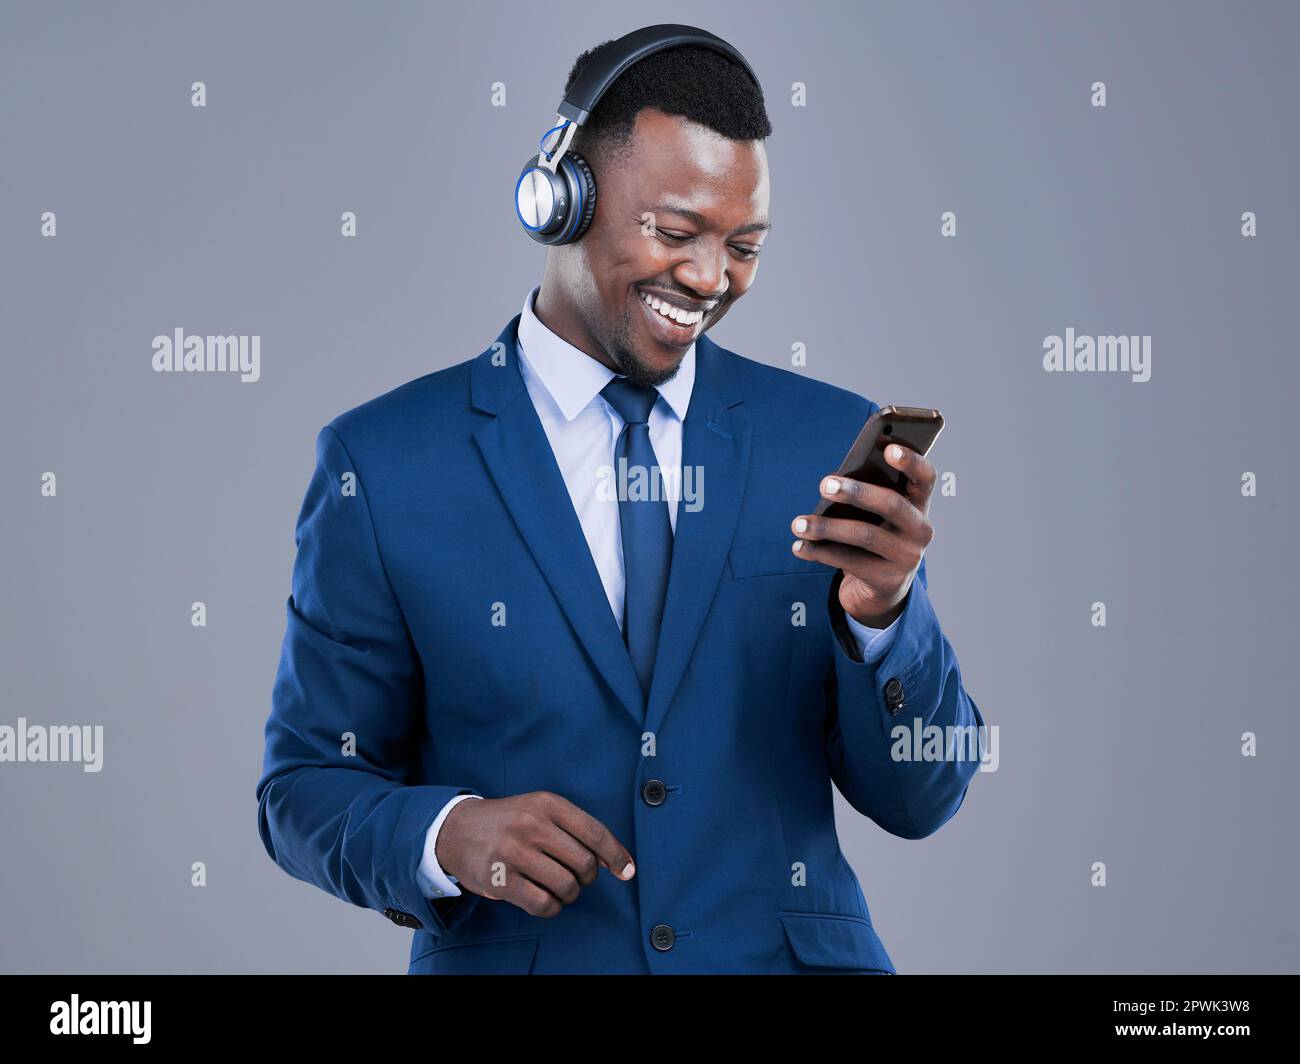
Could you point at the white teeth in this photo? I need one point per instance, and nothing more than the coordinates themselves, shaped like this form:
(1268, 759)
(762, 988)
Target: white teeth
(681, 317)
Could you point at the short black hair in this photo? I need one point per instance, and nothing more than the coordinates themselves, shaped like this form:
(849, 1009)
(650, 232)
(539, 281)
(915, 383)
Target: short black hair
(697, 83)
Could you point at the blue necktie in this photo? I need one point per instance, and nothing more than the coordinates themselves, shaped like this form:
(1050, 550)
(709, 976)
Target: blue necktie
(646, 530)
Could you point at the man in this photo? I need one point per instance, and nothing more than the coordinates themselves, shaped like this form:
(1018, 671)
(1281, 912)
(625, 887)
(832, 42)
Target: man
(557, 718)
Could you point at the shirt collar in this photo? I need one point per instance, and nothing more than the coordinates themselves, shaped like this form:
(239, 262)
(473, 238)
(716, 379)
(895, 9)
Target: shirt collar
(573, 378)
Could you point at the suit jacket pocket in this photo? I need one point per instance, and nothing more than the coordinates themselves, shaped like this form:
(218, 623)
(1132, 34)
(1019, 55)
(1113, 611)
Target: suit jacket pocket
(770, 558)
(497, 956)
(823, 940)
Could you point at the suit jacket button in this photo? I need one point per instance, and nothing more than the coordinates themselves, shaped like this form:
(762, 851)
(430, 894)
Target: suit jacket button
(654, 792)
(402, 919)
(894, 695)
(662, 937)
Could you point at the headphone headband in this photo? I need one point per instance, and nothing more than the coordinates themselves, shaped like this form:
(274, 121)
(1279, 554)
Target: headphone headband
(599, 74)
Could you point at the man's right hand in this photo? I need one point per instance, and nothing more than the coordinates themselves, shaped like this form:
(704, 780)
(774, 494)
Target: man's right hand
(535, 850)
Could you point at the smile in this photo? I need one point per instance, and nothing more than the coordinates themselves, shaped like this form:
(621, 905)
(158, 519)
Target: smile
(685, 318)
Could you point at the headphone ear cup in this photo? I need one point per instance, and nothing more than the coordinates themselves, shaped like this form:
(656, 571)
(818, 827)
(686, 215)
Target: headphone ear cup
(542, 201)
(582, 193)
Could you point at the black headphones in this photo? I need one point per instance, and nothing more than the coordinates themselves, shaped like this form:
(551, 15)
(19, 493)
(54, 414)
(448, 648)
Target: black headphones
(555, 196)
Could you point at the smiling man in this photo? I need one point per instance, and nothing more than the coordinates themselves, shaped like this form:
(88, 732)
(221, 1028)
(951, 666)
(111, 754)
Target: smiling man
(558, 730)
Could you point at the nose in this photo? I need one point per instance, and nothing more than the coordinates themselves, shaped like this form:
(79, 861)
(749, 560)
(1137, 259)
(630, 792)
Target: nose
(704, 271)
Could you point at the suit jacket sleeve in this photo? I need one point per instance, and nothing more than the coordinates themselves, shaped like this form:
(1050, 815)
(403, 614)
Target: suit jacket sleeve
(911, 797)
(343, 813)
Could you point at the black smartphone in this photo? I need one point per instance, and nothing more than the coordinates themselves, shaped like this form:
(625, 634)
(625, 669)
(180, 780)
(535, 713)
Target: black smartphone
(912, 426)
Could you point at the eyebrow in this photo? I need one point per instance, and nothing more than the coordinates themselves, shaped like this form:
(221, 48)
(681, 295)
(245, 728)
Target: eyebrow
(702, 222)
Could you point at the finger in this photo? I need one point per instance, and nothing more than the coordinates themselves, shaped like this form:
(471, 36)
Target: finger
(547, 873)
(918, 469)
(569, 852)
(872, 571)
(860, 534)
(894, 507)
(527, 895)
(594, 835)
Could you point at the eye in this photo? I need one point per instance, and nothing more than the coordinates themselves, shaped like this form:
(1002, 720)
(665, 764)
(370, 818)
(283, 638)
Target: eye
(746, 252)
(669, 235)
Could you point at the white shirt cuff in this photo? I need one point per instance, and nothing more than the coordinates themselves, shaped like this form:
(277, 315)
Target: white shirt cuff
(433, 881)
(872, 643)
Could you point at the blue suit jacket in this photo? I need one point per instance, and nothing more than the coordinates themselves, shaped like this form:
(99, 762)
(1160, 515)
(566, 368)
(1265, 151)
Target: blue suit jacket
(459, 505)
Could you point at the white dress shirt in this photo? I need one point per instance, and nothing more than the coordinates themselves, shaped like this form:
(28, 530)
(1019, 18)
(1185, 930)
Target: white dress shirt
(564, 384)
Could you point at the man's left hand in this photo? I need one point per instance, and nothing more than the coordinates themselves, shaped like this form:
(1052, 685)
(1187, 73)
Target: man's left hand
(879, 562)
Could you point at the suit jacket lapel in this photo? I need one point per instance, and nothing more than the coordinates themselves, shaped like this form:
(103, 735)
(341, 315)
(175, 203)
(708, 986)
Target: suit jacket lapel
(522, 464)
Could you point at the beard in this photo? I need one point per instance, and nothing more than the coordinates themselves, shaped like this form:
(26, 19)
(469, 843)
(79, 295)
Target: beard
(623, 349)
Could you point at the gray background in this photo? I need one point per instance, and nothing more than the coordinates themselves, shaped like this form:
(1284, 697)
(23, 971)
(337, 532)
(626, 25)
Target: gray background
(1118, 744)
